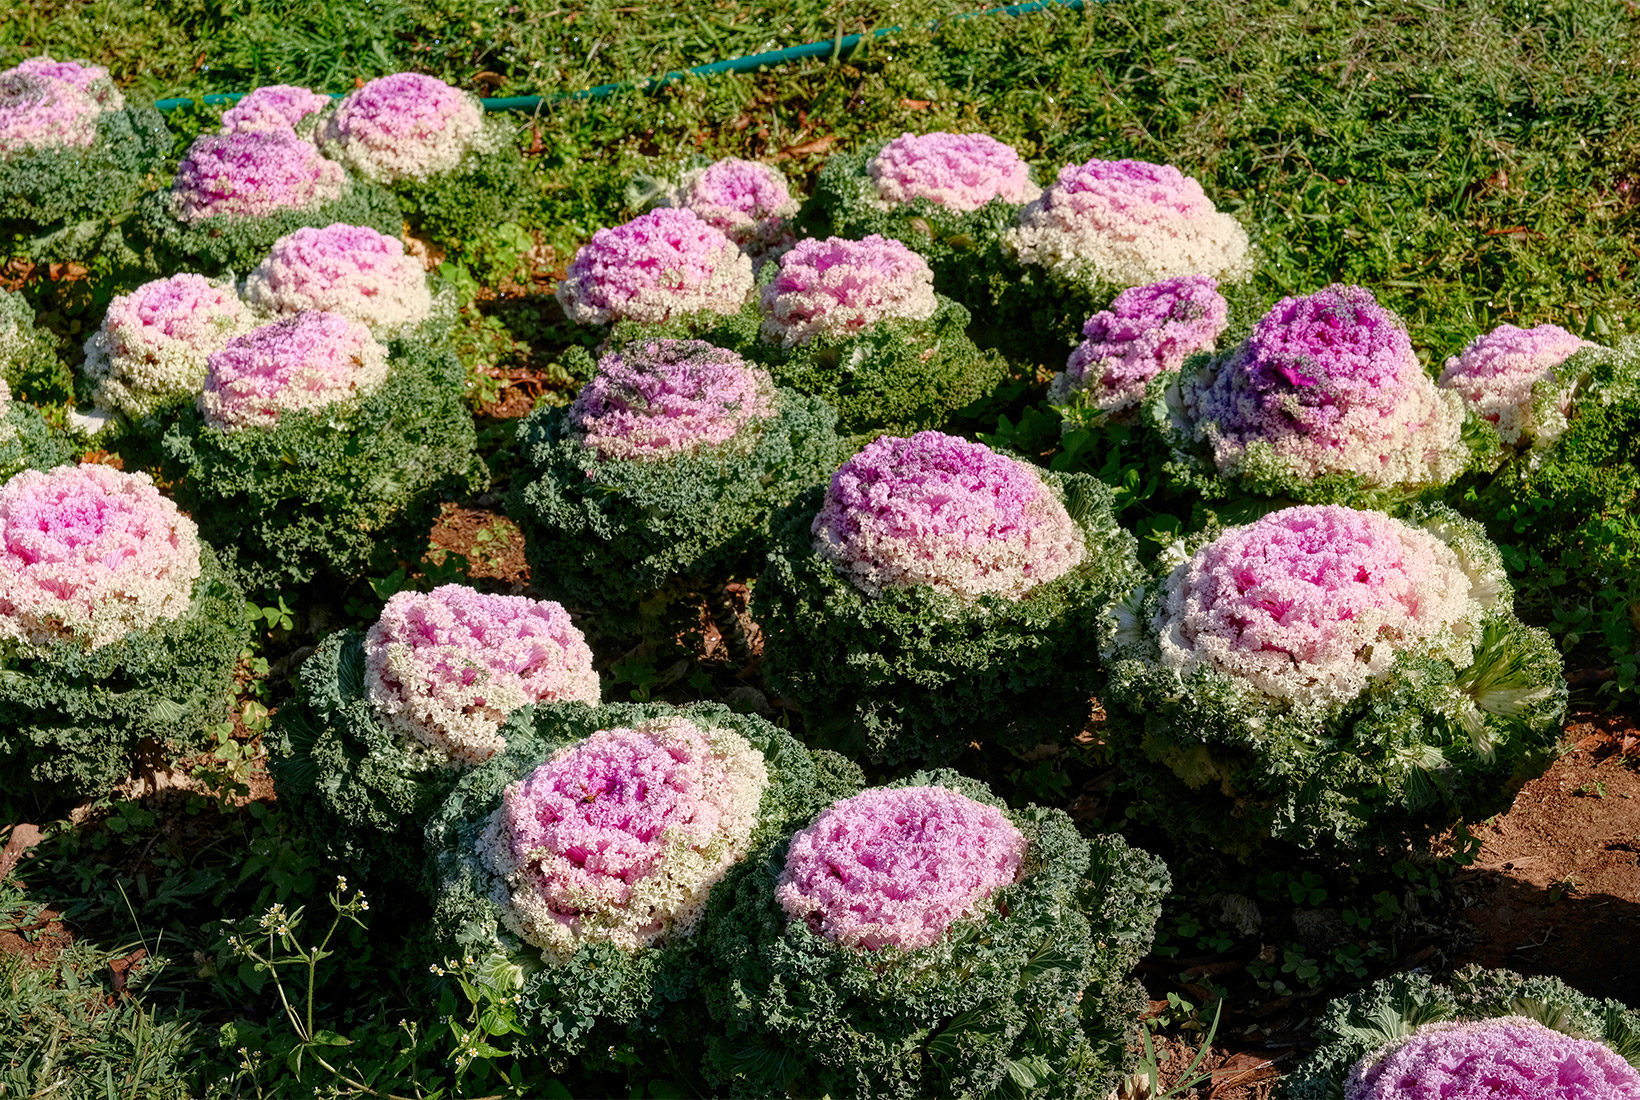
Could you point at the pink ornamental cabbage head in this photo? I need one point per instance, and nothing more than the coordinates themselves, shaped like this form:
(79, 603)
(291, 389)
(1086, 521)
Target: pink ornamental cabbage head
(447, 667)
(1496, 374)
(668, 397)
(961, 172)
(348, 269)
(898, 867)
(272, 107)
(1147, 331)
(311, 360)
(941, 511)
(89, 554)
(252, 175)
(746, 200)
(39, 113)
(1311, 604)
(91, 79)
(620, 837)
(1506, 1058)
(664, 264)
(1329, 383)
(836, 288)
(407, 126)
(1129, 222)
(153, 342)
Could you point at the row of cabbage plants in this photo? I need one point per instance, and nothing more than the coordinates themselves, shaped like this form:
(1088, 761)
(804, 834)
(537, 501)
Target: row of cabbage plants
(1332, 659)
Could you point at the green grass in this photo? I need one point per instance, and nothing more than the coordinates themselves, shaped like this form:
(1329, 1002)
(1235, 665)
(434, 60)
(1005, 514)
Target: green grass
(1471, 162)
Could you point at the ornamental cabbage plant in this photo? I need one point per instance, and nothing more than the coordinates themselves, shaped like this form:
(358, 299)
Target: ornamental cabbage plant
(891, 948)
(666, 265)
(457, 172)
(351, 270)
(312, 447)
(661, 476)
(118, 629)
(747, 201)
(1567, 506)
(950, 197)
(1324, 401)
(1498, 376)
(74, 155)
(1482, 1033)
(150, 350)
(235, 194)
(386, 721)
(1147, 333)
(859, 324)
(937, 592)
(1333, 678)
(586, 859)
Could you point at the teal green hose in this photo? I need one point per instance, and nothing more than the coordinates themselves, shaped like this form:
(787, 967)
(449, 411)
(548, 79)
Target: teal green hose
(833, 49)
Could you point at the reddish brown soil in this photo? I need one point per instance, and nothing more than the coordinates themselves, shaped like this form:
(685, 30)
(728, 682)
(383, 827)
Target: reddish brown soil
(1221, 1075)
(1556, 889)
(492, 544)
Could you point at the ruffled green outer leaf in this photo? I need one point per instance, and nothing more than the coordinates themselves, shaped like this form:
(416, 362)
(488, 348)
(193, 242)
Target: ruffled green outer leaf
(483, 191)
(71, 718)
(1350, 1028)
(1423, 746)
(964, 248)
(364, 793)
(28, 355)
(609, 534)
(1035, 991)
(603, 995)
(321, 490)
(28, 443)
(916, 674)
(897, 377)
(237, 244)
(52, 189)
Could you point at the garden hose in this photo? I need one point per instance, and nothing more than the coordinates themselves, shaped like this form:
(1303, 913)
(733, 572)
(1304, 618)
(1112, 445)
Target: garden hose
(832, 49)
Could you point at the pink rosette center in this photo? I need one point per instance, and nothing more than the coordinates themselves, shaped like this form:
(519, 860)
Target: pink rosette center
(669, 397)
(961, 172)
(1497, 373)
(407, 126)
(91, 554)
(941, 511)
(252, 175)
(663, 264)
(310, 361)
(37, 112)
(898, 867)
(1507, 1058)
(837, 288)
(272, 107)
(447, 667)
(348, 269)
(1147, 331)
(1312, 603)
(621, 836)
